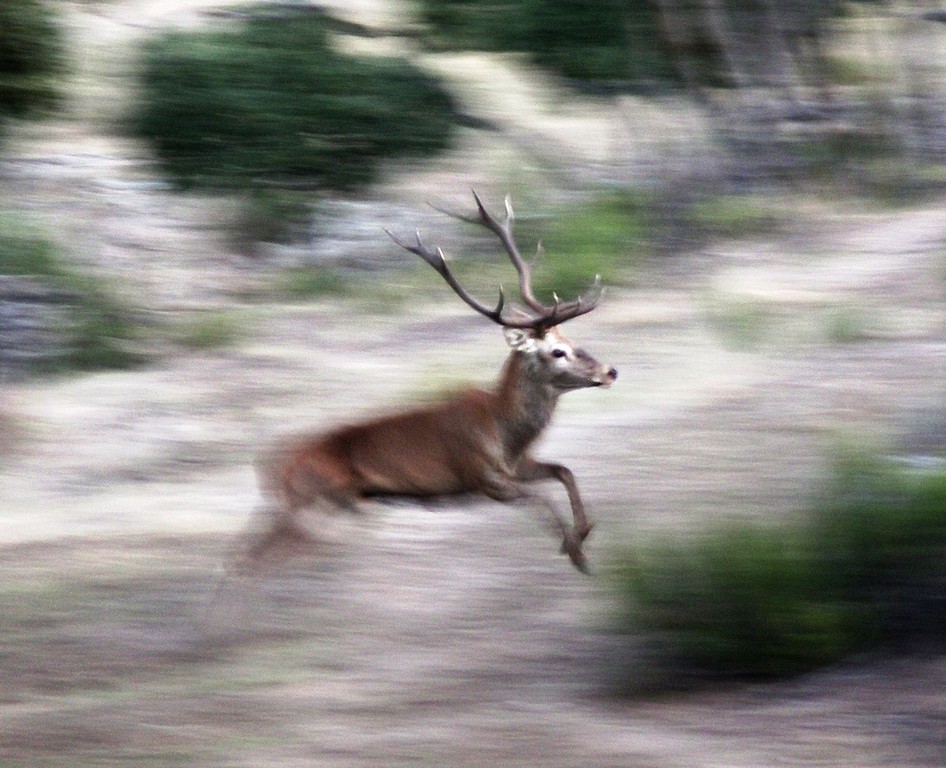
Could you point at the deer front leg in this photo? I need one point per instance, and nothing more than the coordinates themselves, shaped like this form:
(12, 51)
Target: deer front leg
(509, 487)
(505, 486)
(530, 470)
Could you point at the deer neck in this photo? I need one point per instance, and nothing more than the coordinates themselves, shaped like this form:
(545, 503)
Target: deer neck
(526, 403)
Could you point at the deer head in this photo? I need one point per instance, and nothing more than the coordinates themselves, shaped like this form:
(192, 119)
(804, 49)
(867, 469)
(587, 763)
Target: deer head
(532, 329)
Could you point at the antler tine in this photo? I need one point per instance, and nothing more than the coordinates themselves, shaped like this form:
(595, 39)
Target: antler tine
(563, 311)
(439, 263)
(504, 233)
(455, 215)
(560, 311)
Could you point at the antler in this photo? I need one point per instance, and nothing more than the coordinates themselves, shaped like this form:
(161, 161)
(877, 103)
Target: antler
(439, 263)
(544, 316)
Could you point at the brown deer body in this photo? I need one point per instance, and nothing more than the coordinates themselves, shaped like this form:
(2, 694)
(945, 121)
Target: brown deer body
(475, 442)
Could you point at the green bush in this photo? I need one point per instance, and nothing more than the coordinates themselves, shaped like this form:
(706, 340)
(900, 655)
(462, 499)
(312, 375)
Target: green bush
(611, 40)
(740, 601)
(32, 56)
(271, 103)
(879, 541)
(96, 331)
(866, 567)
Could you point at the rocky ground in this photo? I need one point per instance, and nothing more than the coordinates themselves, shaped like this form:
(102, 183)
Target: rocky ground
(450, 634)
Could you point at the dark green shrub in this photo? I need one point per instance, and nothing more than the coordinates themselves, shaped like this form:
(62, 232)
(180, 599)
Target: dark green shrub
(866, 568)
(740, 601)
(603, 41)
(271, 103)
(32, 56)
(879, 539)
(475, 24)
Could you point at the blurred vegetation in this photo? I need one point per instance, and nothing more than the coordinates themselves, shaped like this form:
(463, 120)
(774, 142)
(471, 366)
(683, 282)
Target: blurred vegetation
(268, 215)
(864, 569)
(612, 233)
(270, 105)
(301, 283)
(95, 330)
(742, 322)
(609, 41)
(637, 44)
(210, 330)
(732, 216)
(607, 236)
(32, 57)
(797, 90)
(850, 325)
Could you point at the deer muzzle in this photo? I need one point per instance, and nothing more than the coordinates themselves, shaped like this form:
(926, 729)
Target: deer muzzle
(606, 377)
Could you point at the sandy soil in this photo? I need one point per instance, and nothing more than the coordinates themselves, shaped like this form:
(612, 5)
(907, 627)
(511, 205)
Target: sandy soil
(450, 634)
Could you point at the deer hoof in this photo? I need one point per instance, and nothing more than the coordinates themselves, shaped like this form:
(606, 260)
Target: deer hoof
(571, 546)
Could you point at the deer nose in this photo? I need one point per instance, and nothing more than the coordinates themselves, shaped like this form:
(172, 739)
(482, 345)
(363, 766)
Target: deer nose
(612, 373)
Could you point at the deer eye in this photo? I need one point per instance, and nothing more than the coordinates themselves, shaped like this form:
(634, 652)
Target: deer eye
(559, 352)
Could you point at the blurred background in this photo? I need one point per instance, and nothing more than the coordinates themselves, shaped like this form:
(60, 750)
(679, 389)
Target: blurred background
(193, 195)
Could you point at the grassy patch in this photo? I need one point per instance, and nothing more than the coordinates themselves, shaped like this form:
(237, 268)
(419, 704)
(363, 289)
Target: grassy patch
(732, 216)
(849, 325)
(270, 215)
(606, 236)
(301, 283)
(210, 330)
(25, 253)
(742, 322)
(865, 567)
(847, 71)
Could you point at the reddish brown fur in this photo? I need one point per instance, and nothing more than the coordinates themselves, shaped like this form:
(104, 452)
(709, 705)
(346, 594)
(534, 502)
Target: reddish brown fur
(425, 452)
(475, 441)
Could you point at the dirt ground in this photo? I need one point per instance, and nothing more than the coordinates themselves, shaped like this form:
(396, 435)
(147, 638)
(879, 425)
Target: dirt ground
(447, 634)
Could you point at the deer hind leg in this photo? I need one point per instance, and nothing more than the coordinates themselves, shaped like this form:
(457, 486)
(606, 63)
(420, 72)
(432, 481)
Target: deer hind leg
(301, 497)
(278, 533)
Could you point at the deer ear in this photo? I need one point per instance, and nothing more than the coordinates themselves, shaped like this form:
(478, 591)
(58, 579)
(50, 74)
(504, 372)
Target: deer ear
(520, 339)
